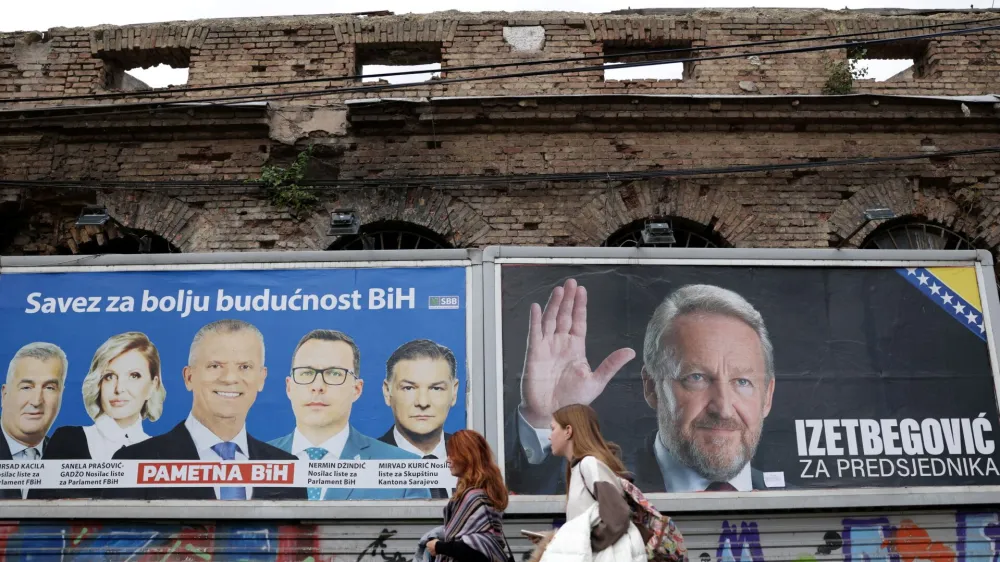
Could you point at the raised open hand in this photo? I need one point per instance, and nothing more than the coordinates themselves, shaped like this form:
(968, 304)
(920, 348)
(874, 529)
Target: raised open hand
(556, 371)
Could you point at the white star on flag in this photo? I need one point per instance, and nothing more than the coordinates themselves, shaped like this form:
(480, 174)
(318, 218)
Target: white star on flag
(959, 308)
(923, 279)
(946, 298)
(935, 288)
(911, 271)
(982, 327)
(971, 317)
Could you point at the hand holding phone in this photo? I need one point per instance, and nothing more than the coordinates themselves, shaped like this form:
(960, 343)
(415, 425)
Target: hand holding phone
(533, 536)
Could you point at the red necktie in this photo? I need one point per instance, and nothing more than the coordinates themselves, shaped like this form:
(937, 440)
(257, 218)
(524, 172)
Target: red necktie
(720, 487)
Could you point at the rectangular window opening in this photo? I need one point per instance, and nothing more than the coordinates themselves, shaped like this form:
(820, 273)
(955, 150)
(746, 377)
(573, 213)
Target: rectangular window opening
(891, 62)
(664, 71)
(423, 58)
(145, 69)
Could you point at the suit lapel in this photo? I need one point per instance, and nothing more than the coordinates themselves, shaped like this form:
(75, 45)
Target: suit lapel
(183, 447)
(181, 437)
(389, 437)
(5, 449)
(356, 446)
(647, 471)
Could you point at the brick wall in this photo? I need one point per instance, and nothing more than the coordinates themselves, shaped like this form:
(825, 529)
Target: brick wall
(507, 128)
(221, 52)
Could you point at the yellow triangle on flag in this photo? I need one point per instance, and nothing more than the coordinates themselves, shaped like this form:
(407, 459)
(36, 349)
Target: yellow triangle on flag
(961, 280)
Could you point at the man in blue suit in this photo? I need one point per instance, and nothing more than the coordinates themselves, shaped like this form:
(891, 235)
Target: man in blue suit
(324, 384)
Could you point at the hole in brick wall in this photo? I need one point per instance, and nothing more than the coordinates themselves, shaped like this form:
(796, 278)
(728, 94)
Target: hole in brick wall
(159, 76)
(370, 69)
(892, 62)
(258, 68)
(145, 69)
(531, 225)
(381, 58)
(433, 144)
(665, 71)
(266, 244)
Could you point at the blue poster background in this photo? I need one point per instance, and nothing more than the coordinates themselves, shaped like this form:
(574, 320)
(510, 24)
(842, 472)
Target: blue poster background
(377, 332)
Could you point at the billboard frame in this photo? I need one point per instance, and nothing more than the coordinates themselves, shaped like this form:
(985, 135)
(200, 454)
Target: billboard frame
(469, 259)
(495, 257)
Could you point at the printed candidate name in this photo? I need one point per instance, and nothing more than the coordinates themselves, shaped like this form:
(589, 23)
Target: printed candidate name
(961, 439)
(187, 302)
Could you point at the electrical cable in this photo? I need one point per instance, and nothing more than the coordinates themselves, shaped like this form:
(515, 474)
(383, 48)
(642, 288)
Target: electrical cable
(435, 181)
(140, 107)
(114, 95)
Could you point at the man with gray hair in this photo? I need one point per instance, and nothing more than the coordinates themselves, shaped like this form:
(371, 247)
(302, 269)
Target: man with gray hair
(31, 398)
(708, 372)
(224, 374)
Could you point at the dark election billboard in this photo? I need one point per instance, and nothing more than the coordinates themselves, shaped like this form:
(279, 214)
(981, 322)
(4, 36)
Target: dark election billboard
(740, 378)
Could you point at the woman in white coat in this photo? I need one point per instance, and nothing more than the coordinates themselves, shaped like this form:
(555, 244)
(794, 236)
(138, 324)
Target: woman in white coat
(598, 525)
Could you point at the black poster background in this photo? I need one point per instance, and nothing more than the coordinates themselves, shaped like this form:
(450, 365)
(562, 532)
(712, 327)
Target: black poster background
(848, 343)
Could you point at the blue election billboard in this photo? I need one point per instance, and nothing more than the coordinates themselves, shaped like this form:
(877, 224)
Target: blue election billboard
(318, 364)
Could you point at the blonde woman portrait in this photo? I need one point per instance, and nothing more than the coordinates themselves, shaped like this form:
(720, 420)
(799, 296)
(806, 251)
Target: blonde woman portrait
(123, 388)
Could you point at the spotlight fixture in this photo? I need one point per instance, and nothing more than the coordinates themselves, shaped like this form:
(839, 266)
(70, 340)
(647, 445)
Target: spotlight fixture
(872, 214)
(658, 233)
(93, 216)
(344, 222)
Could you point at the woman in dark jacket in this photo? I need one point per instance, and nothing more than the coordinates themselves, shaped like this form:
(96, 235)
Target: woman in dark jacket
(473, 527)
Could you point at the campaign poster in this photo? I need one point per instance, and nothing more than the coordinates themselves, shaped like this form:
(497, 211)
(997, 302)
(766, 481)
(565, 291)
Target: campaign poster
(267, 384)
(742, 378)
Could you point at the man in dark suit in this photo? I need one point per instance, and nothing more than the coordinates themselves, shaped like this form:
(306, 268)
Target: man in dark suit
(421, 386)
(225, 371)
(30, 399)
(708, 372)
(324, 382)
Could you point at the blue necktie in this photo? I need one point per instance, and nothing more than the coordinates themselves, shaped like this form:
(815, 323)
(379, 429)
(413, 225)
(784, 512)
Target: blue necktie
(315, 454)
(227, 450)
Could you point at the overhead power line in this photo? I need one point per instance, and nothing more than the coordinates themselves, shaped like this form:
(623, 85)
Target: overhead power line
(140, 107)
(440, 180)
(539, 62)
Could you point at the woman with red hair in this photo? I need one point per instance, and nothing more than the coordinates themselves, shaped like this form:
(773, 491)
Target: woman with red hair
(473, 527)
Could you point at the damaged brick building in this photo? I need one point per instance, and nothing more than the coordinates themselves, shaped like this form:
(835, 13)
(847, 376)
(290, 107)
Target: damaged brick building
(530, 159)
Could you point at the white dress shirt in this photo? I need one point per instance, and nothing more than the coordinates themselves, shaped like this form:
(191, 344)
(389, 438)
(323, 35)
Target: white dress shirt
(204, 440)
(105, 437)
(334, 448)
(23, 453)
(439, 450)
(677, 477)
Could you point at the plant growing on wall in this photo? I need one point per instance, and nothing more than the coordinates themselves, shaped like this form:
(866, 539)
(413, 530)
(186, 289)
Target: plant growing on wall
(842, 74)
(282, 185)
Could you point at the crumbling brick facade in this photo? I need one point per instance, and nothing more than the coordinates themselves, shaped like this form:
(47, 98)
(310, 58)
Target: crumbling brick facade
(740, 111)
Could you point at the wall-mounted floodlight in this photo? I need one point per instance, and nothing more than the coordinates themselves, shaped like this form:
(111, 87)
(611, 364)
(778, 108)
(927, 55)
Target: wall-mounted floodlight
(873, 214)
(879, 214)
(658, 233)
(93, 216)
(344, 222)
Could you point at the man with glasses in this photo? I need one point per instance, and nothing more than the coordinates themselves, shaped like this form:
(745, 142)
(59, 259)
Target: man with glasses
(322, 387)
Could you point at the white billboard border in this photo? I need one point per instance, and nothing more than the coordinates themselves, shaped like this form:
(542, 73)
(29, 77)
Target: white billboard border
(304, 511)
(495, 257)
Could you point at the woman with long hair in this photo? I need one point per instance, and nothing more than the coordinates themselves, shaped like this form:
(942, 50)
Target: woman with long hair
(473, 529)
(596, 508)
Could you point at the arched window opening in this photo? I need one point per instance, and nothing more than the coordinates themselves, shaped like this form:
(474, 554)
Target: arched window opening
(687, 234)
(11, 222)
(391, 235)
(120, 241)
(915, 235)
